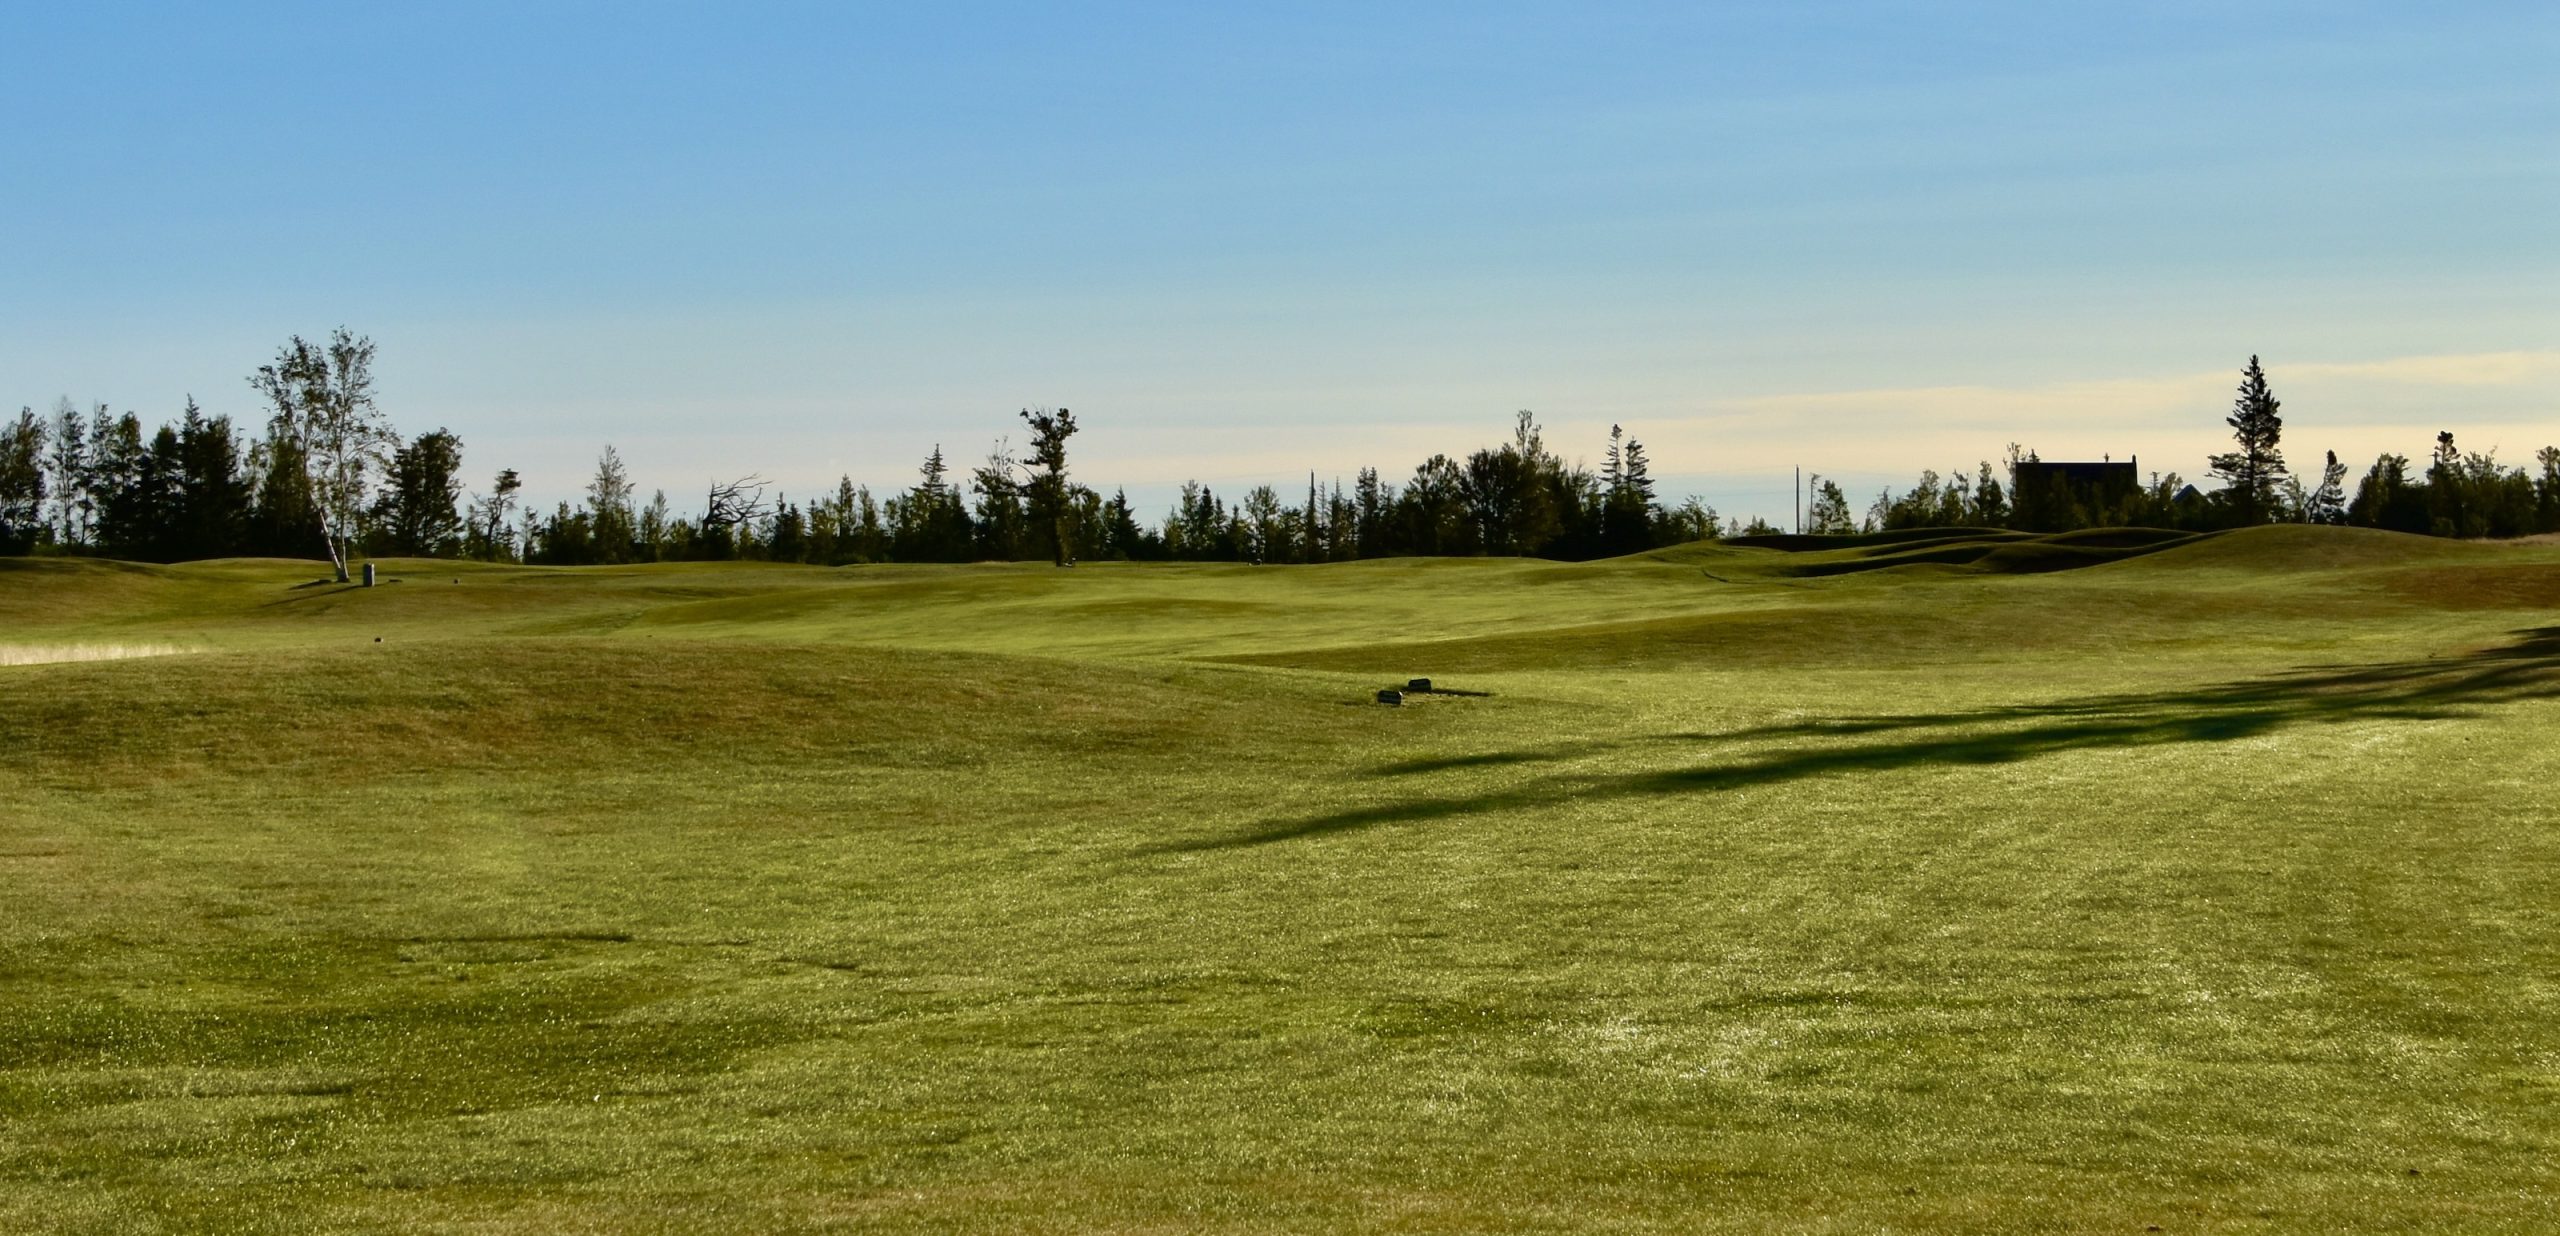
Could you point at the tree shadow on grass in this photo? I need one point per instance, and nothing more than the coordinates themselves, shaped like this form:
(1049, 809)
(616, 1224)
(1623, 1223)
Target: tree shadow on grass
(2435, 688)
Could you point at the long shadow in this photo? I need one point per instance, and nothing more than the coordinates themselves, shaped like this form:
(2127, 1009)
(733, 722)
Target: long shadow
(2435, 688)
(1488, 759)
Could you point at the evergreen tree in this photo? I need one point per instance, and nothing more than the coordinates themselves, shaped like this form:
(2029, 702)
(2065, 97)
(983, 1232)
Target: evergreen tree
(1627, 513)
(2447, 511)
(213, 520)
(1828, 513)
(1372, 500)
(1047, 488)
(122, 481)
(1199, 528)
(418, 512)
(870, 539)
(284, 522)
(930, 524)
(1311, 525)
(657, 528)
(2251, 472)
(614, 527)
(1122, 536)
(164, 496)
(787, 537)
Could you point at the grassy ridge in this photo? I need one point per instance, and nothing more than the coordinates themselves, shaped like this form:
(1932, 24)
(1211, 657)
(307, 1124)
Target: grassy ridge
(2210, 889)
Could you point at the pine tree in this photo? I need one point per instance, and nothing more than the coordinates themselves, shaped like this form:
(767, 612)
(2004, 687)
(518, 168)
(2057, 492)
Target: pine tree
(1314, 529)
(929, 524)
(164, 498)
(284, 522)
(1372, 499)
(214, 495)
(416, 514)
(1047, 490)
(657, 527)
(1121, 533)
(1626, 496)
(1828, 513)
(119, 459)
(2250, 473)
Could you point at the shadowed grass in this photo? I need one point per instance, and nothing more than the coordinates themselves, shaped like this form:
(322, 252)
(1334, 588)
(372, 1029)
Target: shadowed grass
(2456, 686)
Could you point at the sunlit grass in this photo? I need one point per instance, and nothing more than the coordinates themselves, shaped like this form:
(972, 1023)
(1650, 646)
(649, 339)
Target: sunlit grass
(2209, 890)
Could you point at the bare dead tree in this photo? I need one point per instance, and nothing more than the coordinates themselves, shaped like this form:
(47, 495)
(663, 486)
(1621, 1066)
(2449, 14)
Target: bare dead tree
(734, 502)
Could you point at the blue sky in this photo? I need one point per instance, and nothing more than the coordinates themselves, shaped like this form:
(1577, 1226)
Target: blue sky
(811, 240)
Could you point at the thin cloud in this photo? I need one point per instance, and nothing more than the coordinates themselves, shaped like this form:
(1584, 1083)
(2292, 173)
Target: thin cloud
(2510, 369)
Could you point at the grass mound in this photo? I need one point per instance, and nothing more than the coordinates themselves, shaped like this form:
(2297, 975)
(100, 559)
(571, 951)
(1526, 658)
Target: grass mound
(2293, 548)
(1796, 543)
(1984, 550)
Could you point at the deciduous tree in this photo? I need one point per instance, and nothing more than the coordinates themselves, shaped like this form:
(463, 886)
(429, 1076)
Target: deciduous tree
(324, 405)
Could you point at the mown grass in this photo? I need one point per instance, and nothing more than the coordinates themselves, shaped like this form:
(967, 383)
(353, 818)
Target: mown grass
(2212, 889)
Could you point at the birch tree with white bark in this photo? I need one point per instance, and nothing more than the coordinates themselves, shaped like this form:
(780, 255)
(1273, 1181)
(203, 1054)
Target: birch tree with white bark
(323, 401)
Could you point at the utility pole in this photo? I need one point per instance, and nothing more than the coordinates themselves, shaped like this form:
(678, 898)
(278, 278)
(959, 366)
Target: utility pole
(1799, 499)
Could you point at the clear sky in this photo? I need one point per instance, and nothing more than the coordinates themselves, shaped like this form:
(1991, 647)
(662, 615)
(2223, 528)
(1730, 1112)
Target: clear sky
(1243, 242)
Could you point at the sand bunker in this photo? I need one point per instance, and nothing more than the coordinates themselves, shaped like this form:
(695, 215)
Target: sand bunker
(43, 654)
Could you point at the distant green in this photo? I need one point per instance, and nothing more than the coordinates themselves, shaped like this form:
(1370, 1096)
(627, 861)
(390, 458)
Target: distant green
(2211, 888)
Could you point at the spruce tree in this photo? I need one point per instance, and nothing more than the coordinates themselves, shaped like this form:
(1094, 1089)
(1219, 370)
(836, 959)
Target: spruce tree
(416, 514)
(214, 493)
(2250, 473)
(1047, 490)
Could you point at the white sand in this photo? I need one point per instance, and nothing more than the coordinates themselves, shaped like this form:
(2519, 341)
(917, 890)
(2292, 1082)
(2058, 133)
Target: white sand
(48, 654)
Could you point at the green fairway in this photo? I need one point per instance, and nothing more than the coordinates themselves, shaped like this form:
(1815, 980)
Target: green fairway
(2213, 885)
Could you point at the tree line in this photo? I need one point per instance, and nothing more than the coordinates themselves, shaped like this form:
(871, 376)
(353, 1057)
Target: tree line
(1516, 498)
(328, 476)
